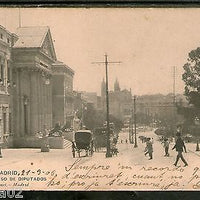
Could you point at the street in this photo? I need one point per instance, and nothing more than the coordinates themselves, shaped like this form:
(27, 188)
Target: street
(129, 163)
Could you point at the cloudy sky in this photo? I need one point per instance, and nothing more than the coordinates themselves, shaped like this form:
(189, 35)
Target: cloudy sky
(148, 42)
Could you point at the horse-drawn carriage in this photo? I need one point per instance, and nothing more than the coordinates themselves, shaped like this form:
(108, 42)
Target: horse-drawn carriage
(83, 141)
(100, 140)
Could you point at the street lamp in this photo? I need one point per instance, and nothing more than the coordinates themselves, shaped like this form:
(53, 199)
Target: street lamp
(135, 121)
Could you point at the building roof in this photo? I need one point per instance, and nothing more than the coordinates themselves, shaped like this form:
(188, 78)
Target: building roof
(31, 37)
(60, 64)
(3, 28)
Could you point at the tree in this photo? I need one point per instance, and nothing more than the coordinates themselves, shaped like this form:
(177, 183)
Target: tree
(89, 116)
(117, 122)
(191, 77)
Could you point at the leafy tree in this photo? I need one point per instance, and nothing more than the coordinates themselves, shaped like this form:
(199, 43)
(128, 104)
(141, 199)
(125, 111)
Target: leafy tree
(191, 77)
(117, 122)
(89, 116)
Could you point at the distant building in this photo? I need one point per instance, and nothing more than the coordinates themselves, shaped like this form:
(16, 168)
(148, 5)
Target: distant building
(91, 97)
(120, 101)
(158, 107)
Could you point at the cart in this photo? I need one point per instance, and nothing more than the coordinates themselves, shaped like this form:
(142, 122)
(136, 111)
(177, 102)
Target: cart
(83, 142)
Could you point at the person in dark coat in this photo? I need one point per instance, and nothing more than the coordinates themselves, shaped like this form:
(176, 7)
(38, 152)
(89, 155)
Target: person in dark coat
(149, 148)
(179, 146)
(166, 146)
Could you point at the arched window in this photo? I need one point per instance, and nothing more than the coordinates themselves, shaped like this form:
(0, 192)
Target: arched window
(1, 70)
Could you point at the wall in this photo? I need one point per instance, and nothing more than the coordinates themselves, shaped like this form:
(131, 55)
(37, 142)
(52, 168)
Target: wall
(58, 99)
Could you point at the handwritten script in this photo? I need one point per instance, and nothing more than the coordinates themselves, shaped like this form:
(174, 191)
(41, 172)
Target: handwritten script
(94, 177)
(79, 175)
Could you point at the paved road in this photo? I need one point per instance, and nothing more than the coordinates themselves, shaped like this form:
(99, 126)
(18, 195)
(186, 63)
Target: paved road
(133, 158)
(127, 152)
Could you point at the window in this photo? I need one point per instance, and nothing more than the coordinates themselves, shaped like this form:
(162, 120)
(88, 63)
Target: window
(10, 121)
(2, 74)
(8, 40)
(1, 36)
(9, 72)
(4, 123)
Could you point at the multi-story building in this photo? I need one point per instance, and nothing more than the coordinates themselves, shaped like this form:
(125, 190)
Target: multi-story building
(7, 41)
(120, 101)
(32, 98)
(63, 98)
(33, 55)
(159, 108)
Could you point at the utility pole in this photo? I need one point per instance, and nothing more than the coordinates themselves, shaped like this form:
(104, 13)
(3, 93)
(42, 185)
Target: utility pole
(174, 97)
(82, 115)
(108, 152)
(129, 130)
(135, 121)
(174, 85)
(131, 125)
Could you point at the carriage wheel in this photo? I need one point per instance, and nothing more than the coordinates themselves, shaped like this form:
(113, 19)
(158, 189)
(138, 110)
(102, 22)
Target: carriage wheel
(73, 152)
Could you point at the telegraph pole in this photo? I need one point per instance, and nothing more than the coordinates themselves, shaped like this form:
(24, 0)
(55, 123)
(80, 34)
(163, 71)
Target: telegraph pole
(108, 152)
(135, 121)
(174, 85)
(174, 97)
(131, 126)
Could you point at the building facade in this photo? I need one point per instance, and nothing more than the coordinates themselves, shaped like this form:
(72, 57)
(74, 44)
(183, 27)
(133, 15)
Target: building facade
(33, 55)
(63, 98)
(7, 41)
(120, 101)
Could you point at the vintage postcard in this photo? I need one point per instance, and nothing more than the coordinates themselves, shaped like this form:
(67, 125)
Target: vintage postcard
(99, 99)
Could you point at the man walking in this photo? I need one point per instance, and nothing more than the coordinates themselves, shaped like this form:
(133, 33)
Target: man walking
(149, 148)
(166, 146)
(179, 145)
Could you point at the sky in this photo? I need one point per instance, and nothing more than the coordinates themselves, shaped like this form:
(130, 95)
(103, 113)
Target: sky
(149, 42)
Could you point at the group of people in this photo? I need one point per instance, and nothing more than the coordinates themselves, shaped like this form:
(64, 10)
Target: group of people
(179, 146)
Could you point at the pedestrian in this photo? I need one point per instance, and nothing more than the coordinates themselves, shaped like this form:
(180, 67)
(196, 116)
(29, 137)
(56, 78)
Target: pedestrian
(126, 141)
(166, 146)
(149, 148)
(179, 146)
(45, 140)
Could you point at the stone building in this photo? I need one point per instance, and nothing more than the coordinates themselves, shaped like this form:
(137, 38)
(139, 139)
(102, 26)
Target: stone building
(33, 55)
(63, 98)
(43, 86)
(7, 40)
(36, 90)
(158, 108)
(120, 101)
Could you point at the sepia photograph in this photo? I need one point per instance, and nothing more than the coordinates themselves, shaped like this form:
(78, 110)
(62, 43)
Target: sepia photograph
(96, 99)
